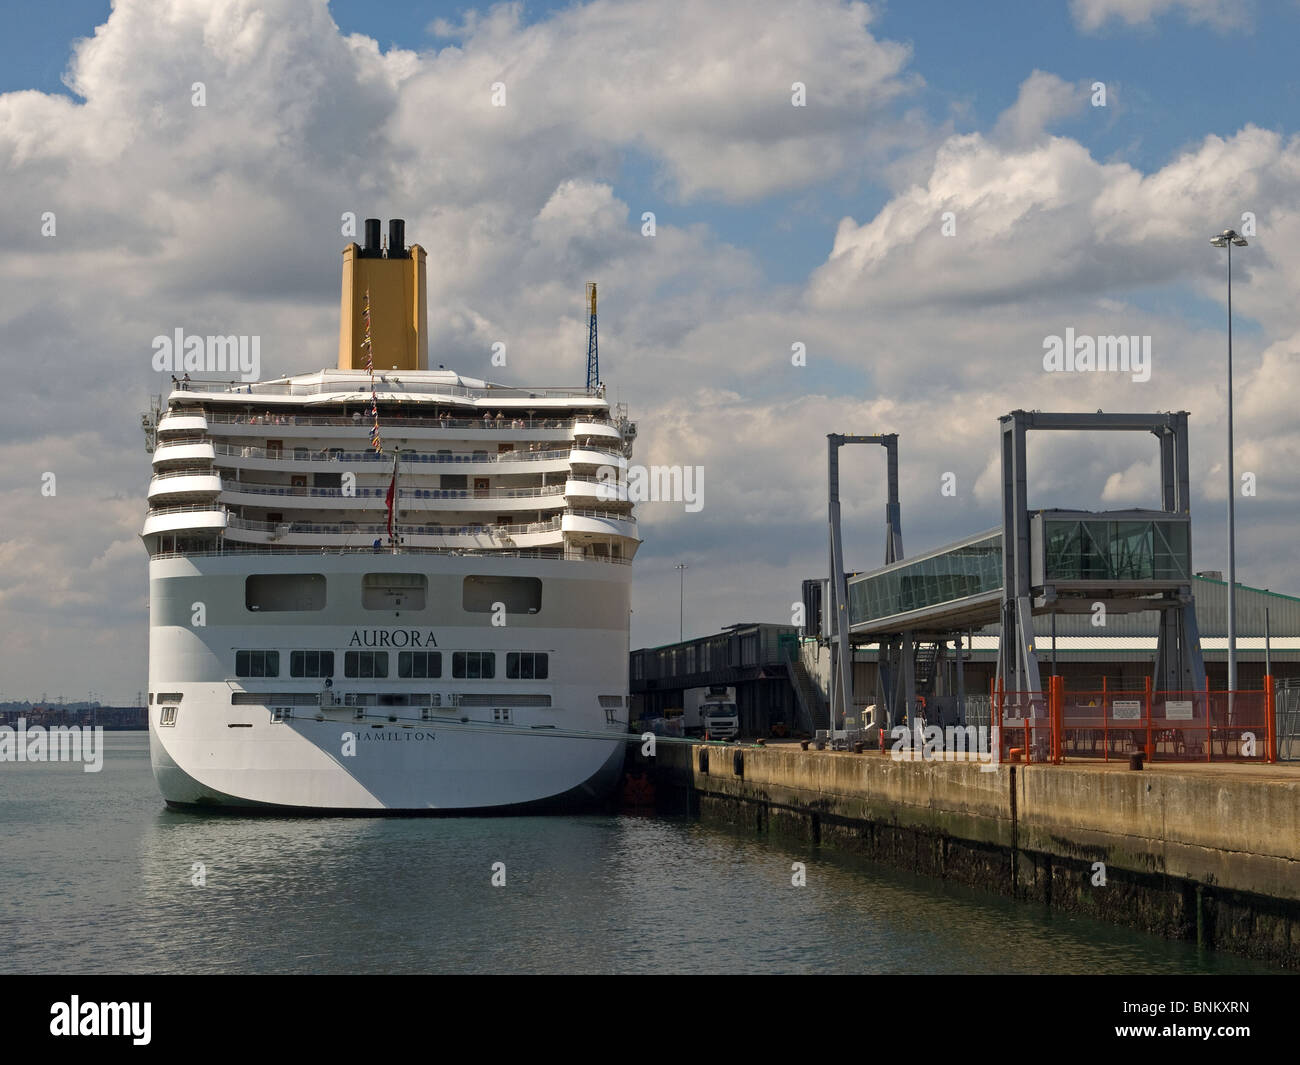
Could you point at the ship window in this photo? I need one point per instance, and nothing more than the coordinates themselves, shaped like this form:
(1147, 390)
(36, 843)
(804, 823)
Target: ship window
(257, 663)
(284, 591)
(454, 481)
(520, 595)
(394, 591)
(527, 665)
(501, 713)
(419, 665)
(474, 665)
(365, 664)
(311, 663)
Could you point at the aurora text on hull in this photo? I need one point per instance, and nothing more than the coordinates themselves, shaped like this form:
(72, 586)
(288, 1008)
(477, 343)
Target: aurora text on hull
(387, 590)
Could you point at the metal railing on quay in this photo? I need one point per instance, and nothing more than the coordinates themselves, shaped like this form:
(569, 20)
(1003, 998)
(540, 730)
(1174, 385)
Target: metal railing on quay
(1108, 724)
(1287, 723)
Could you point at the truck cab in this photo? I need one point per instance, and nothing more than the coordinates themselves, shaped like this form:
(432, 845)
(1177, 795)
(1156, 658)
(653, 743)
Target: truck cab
(721, 720)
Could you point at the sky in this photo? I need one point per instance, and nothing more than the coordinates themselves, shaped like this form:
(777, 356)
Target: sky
(915, 195)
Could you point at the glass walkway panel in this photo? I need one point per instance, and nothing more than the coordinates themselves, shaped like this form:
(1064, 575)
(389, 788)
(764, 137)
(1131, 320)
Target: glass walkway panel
(960, 585)
(1070, 547)
(940, 587)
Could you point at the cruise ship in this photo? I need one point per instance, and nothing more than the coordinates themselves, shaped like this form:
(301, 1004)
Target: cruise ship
(382, 587)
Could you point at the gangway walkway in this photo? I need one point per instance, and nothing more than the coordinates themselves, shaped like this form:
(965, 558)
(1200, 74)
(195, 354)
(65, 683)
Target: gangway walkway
(1082, 556)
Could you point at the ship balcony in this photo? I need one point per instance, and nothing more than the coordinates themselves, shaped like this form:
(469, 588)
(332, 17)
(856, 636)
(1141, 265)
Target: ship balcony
(590, 455)
(463, 427)
(189, 453)
(182, 422)
(176, 519)
(497, 499)
(584, 491)
(413, 533)
(550, 497)
(340, 460)
(585, 525)
(183, 483)
(596, 430)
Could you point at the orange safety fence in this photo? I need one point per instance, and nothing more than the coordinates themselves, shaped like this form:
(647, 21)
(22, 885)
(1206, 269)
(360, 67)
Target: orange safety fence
(1195, 726)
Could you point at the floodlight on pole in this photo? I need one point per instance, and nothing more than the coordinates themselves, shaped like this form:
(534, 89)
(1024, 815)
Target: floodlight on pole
(1228, 239)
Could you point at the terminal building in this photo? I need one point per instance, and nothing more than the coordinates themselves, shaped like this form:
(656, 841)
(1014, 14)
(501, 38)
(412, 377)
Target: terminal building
(758, 660)
(769, 664)
(1103, 599)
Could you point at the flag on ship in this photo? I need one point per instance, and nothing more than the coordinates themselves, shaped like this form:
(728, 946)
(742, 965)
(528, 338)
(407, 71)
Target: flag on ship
(391, 498)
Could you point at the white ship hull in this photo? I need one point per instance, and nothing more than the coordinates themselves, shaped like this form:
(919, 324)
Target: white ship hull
(291, 744)
(398, 768)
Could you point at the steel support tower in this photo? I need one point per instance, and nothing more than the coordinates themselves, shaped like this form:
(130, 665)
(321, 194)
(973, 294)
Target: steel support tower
(837, 609)
(1179, 665)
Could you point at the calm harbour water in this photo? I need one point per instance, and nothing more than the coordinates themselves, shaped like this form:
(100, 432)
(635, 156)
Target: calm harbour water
(95, 877)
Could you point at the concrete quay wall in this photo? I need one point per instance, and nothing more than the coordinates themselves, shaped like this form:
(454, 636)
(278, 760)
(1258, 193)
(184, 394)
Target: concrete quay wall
(1208, 853)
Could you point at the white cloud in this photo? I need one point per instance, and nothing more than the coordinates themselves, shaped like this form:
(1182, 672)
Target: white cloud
(1049, 219)
(1043, 99)
(1091, 15)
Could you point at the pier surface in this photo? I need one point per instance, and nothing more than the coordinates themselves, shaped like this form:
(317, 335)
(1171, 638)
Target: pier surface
(1206, 852)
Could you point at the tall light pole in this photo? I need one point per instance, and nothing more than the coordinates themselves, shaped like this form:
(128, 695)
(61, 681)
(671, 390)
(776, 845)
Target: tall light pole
(681, 603)
(1227, 239)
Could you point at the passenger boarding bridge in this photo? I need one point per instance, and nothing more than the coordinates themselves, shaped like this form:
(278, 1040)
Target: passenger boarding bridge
(920, 611)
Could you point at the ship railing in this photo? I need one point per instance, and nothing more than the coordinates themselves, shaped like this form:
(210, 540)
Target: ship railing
(381, 491)
(611, 515)
(395, 423)
(615, 452)
(181, 436)
(385, 384)
(187, 509)
(408, 458)
(206, 471)
(345, 528)
(234, 549)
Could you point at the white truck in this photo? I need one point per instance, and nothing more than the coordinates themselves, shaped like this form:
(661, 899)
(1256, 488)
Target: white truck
(711, 711)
